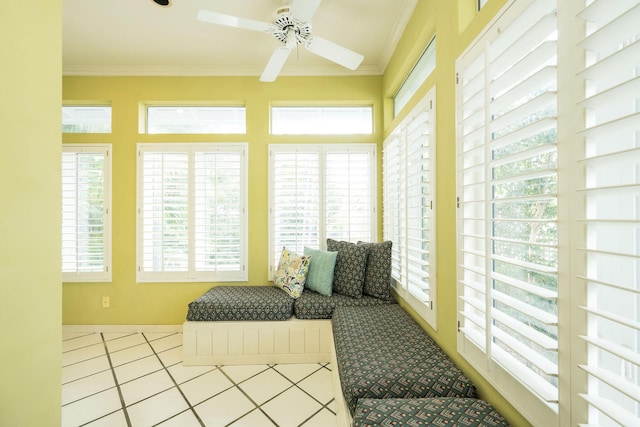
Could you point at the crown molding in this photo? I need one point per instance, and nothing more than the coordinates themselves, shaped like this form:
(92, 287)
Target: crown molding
(398, 29)
(171, 70)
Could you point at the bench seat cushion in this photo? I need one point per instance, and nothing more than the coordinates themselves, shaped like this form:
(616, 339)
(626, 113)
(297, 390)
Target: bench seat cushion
(439, 411)
(312, 305)
(241, 303)
(383, 353)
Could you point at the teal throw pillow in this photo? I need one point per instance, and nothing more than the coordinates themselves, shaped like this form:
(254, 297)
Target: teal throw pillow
(321, 267)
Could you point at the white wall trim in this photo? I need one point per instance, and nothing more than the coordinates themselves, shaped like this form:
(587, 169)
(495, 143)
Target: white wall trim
(121, 328)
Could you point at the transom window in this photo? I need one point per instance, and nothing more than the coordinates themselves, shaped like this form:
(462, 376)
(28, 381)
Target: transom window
(86, 119)
(186, 119)
(348, 120)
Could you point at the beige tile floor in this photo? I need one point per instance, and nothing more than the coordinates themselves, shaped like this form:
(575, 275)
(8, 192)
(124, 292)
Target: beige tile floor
(137, 380)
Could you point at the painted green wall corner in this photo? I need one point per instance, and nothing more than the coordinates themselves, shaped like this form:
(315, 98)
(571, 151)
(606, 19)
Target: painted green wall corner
(166, 303)
(455, 25)
(30, 279)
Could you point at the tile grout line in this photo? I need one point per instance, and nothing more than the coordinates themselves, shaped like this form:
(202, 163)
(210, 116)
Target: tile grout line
(175, 383)
(237, 386)
(295, 384)
(113, 372)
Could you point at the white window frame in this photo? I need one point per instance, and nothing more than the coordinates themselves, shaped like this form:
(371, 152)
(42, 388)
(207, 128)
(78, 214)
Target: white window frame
(316, 239)
(192, 274)
(477, 332)
(105, 274)
(409, 161)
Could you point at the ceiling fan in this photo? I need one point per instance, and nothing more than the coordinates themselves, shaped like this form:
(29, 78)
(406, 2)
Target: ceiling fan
(291, 27)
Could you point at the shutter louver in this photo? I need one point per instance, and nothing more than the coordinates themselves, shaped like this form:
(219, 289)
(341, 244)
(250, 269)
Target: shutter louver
(611, 193)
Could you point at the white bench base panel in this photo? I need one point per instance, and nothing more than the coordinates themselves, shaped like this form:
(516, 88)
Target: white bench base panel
(257, 342)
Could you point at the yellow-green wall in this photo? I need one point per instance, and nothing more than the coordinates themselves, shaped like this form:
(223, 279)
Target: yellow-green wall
(455, 24)
(166, 303)
(30, 281)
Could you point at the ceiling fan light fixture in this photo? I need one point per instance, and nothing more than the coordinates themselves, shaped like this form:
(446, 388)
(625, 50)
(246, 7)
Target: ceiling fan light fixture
(163, 3)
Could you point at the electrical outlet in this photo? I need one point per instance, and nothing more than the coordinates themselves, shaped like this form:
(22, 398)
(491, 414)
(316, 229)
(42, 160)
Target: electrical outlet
(105, 302)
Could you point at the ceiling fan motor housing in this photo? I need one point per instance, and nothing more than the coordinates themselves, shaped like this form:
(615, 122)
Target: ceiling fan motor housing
(284, 22)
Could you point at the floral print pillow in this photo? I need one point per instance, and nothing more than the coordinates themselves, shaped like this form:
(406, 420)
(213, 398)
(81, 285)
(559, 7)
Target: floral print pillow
(292, 272)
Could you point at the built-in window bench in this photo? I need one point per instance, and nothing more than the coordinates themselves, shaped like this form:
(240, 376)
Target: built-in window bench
(381, 358)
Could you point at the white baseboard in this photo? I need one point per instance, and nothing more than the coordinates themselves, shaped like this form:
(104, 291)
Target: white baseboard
(121, 328)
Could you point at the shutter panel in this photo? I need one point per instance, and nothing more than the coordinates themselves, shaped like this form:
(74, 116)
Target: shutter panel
(165, 211)
(507, 168)
(347, 194)
(85, 213)
(218, 211)
(612, 216)
(392, 200)
(409, 159)
(295, 200)
(472, 172)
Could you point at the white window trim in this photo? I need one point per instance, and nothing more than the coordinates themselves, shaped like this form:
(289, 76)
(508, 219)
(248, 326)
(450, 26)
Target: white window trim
(104, 276)
(322, 149)
(191, 275)
(427, 311)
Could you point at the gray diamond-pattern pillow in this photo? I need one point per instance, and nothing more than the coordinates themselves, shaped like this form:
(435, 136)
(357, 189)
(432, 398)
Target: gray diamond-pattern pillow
(351, 265)
(377, 279)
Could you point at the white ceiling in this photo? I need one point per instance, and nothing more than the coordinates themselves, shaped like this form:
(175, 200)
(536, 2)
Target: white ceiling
(138, 37)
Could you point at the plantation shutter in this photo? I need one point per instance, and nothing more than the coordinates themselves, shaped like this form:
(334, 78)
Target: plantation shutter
(218, 211)
(320, 191)
(165, 211)
(296, 186)
(611, 249)
(191, 215)
(393, 195)
(409, 206)
(507, 168)
(420, 201)
(86, 216)
(347, 195)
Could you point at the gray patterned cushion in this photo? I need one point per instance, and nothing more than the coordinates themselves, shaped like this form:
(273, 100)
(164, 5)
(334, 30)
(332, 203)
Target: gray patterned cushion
(312, 305)
(241, 303)
(383, 353)
(377, 279)
(350, 269)
(437, 411)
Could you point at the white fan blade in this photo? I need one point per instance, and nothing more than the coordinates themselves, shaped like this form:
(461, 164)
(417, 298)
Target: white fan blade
(232, 21)
(333, 52)
(303, 10)
(275, 64)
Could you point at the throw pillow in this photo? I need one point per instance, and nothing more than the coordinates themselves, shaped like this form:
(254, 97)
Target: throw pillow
(351, 264)
(321, 267)
(377, 281)
(292, 272)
